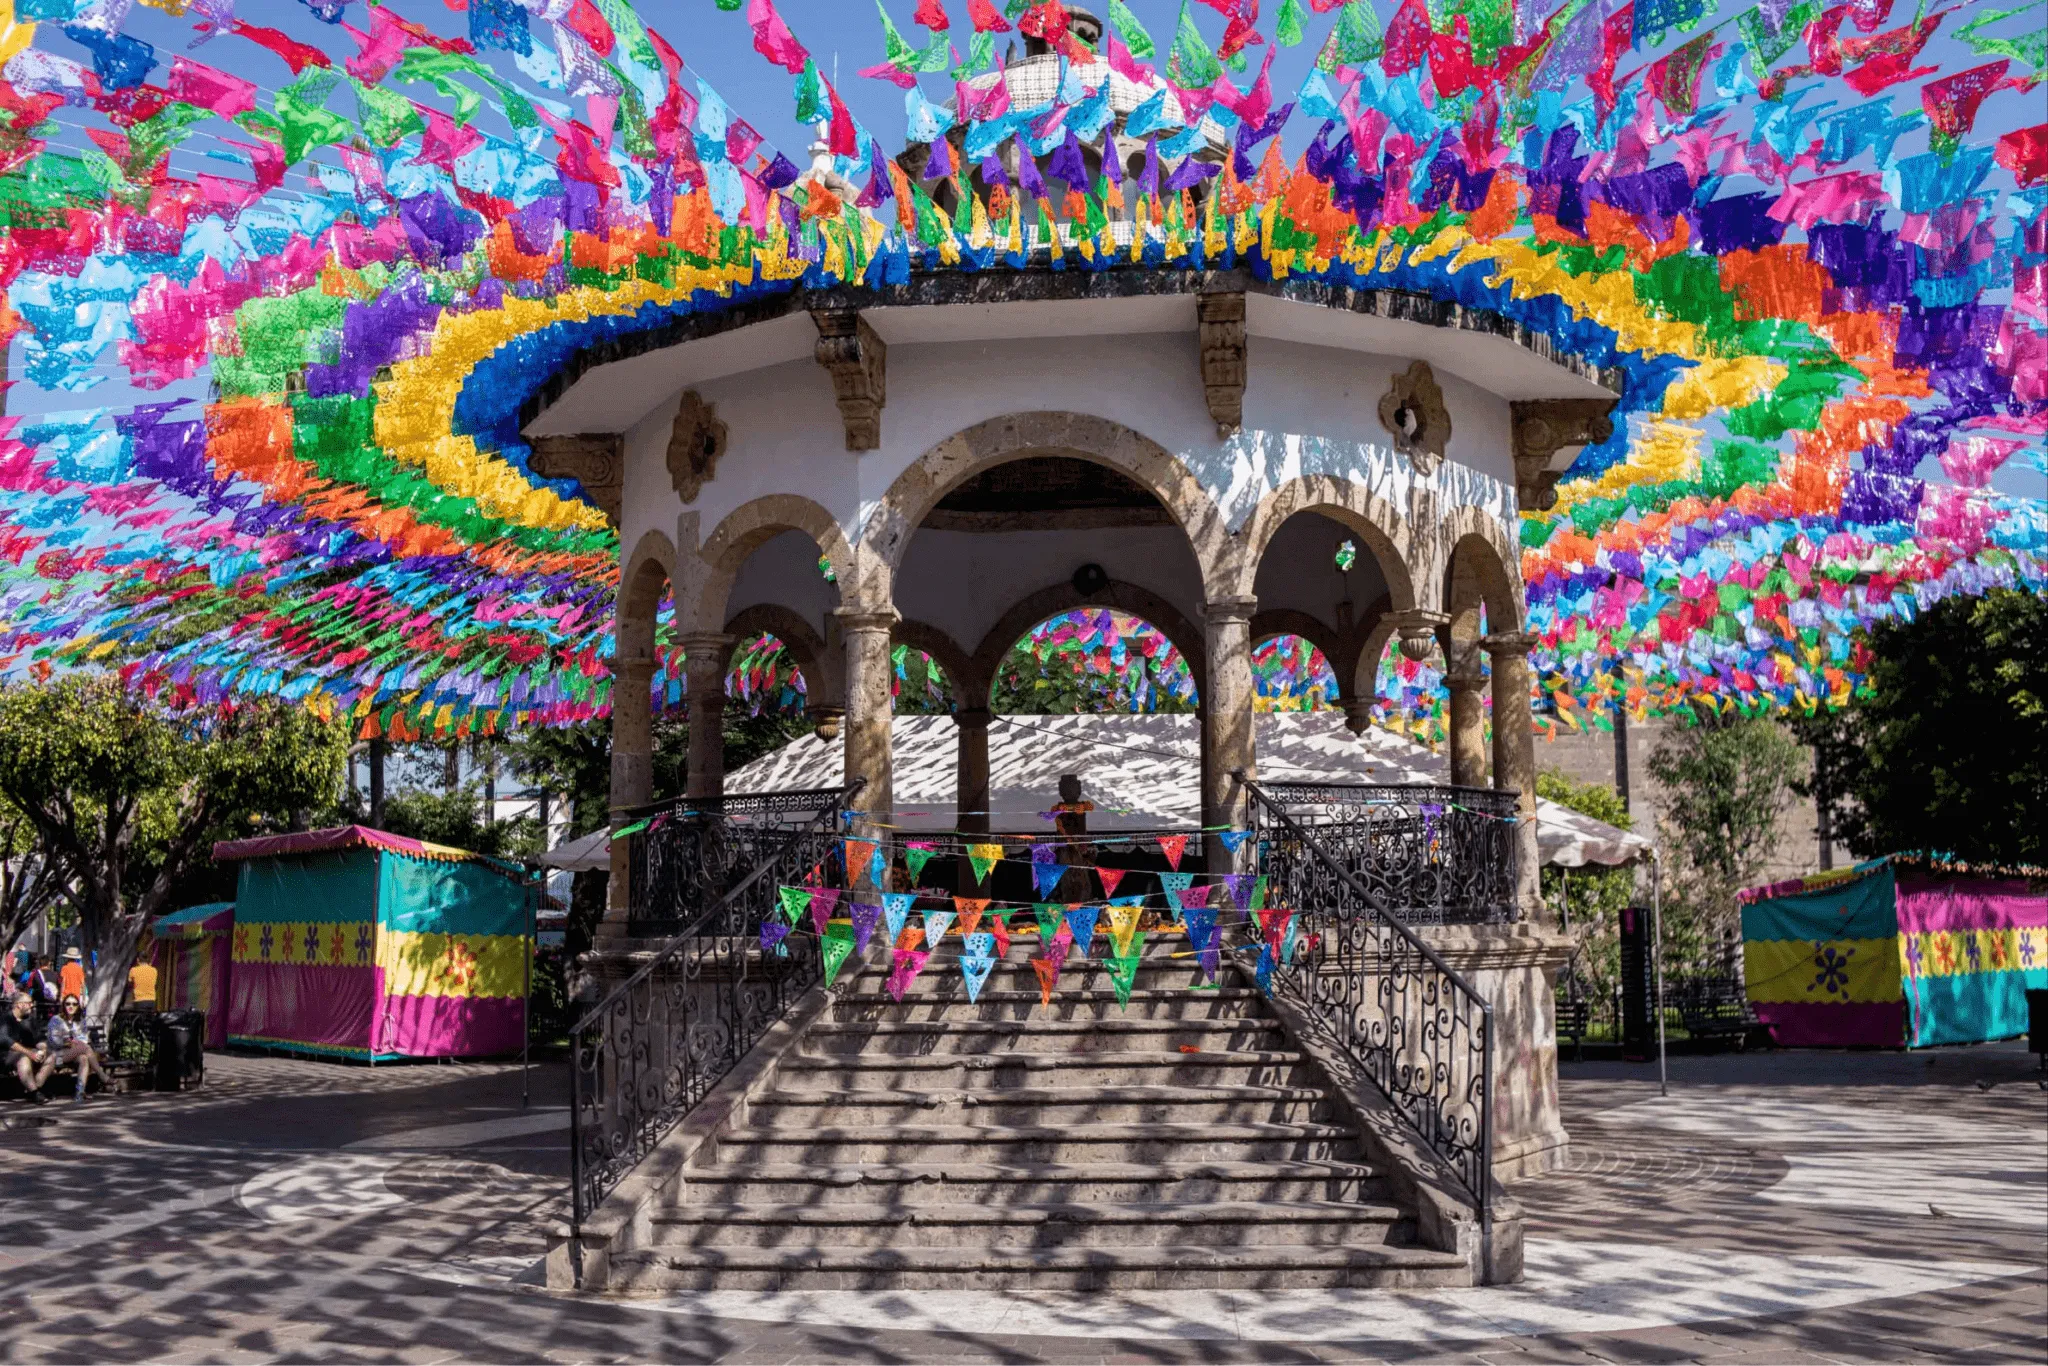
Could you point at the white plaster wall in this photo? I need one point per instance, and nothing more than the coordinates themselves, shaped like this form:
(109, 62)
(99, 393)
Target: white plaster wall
(963, 582)
(1308, 410)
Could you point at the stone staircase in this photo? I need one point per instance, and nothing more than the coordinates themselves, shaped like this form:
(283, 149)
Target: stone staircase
(1178, 1142)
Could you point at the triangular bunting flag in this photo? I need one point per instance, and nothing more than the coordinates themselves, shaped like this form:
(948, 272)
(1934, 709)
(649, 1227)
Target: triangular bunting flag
(1123, 972)
(773, 932)
(896, 909)
(916, 854)
(935, 923)
(908, 963)
(837, 944)
(1050, 919)
(980, 944)
(794, 902)
(1171, 846)
(1123, 923)
(878, 868)
(1240, 885)
(970, 909)
(1264, 972)
(1061, 942)
(1233, 840)
(975, 971)
(1273, 924)
(999, 925)
(1174, 884)
(910, 937)
(1210, 957)
(865, 914)
(1259, 893)
(1081, 920)
(983, 857)
(1291, 941)
(1110, 877)
(824, 900)
(1047, 876)
(1048, 973)
(858, 853)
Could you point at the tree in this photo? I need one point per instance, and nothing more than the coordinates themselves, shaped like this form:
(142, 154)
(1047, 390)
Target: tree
(1948, 749)
(125, 798)
(1725, 782)
(30, 881)
(1593, 897)
(1063, 684)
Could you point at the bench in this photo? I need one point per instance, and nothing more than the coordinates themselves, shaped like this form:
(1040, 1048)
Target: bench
(1573, 1016)
(1713, 1008)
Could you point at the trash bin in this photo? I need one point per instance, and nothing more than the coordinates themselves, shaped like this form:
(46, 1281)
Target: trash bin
(180, 1049)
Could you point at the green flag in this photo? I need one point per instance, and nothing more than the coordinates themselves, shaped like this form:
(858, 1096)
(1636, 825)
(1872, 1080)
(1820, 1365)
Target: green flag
(1123, 973)
(1130, 30)
(1191, 65)
(837, 944)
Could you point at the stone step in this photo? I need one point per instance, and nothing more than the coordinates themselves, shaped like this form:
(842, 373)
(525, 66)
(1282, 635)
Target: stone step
(1036, 1036)
(941, 976)
(1012, 1227)
(1099, 1004)
(1039, 1106)
(1015, 1144)
(1267, 1184)
(1164, 1266)
(1000, 1071)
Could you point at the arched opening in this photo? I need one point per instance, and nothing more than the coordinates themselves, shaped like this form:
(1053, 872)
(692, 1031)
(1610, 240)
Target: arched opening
(1093, 660)
(921, 686)
(1291, 674)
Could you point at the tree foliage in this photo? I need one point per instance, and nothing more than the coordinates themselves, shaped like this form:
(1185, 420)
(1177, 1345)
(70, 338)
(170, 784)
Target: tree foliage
(1726, 783)
(1593, 897)
(1063, 685)
(125, 798)
(1948, 751)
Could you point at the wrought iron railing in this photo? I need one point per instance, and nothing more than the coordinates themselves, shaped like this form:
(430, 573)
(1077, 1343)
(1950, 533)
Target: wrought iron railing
(1430, 855)
(1417, 1029)
(658, 1042)
(692, 851)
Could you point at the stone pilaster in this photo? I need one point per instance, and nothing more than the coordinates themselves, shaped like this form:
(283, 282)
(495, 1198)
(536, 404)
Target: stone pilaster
(1221, 325)
(970, 788)
(858, 362)
(1227, 744)
(632, 774)
(705, 655)
(1514, 757)
(1514, 970)
(870, 704)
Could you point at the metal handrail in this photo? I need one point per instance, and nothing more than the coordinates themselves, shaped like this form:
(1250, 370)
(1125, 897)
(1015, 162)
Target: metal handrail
(792, 799)
(1482, 1190)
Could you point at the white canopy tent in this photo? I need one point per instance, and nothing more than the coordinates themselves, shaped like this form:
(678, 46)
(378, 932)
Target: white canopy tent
(585, 854)
(1144, 773)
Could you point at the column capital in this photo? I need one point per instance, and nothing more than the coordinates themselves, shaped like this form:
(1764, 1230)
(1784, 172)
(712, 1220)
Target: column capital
(1217, 611)
(631, 665)
(1509, 643)
(974, 716)
(867, 618)
(1472, 681)
(1417, 627)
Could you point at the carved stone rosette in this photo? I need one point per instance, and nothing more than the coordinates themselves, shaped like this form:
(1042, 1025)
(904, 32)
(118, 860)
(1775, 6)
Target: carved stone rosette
(1223, 359)
(858, 363)
(1543, 428)
(592, 459)
(695, 442)
(1413, 410)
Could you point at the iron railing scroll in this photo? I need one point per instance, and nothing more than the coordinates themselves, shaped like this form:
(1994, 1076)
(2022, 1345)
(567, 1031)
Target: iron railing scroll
(1431, 855)
(661, 1040)
(1416, 1028)
(689, 852)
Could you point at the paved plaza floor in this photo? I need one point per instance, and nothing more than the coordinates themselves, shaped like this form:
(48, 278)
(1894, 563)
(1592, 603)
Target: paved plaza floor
(1776, 1207)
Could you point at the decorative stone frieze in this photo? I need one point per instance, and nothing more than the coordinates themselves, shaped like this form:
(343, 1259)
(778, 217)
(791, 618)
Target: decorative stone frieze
(695, 442)
(1223, 358)
(1543, 428)
(592, 459)
(858, 363)
(1413, 410)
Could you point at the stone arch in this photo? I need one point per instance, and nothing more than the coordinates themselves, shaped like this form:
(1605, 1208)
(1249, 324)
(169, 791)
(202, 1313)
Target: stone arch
(1381, 526)
(1287, 621)
(885, 537)
(800, 638)
(746, 529)
(1122, 597)
(1481, 569)
(970, 685)
(647, 574)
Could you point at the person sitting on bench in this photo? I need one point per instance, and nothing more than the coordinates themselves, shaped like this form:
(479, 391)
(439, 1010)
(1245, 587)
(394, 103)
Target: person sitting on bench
(26, 1051)
(70, 1045)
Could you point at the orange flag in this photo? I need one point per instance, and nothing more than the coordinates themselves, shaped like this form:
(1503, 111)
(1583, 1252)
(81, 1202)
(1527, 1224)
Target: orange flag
(1048, 973)
(970, 909)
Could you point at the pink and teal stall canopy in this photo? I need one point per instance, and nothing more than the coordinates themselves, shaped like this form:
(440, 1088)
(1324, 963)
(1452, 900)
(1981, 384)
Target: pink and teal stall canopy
(1907, 949)
(282, 280)
(355, 943)
(190, 950)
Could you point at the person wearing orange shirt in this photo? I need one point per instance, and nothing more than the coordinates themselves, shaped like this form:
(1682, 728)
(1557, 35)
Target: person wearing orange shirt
(71, 977)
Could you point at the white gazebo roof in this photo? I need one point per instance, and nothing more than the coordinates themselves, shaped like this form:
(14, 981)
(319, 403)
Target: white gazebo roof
(1144, 773)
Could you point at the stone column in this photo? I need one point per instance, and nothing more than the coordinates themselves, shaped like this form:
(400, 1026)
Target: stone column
(870, 703)
(1227, 744)
(705, 655)
(1467, 686)
(632, 776)
(970, 788)
(1514, 758)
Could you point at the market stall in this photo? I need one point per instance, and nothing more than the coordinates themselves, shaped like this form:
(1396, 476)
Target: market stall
(355, 943)
(191, 953)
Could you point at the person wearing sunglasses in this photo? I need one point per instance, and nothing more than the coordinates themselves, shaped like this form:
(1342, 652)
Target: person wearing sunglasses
(71, 1044)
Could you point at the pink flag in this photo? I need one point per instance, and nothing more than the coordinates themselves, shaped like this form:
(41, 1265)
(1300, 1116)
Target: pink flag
(199, 84)
(772, 38)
